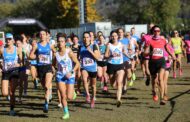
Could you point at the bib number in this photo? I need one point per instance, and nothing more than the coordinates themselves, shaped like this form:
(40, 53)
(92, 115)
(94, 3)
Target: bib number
(88, 62)
(158, 52)
(9, 65)
(45, 59)
(176, 47)
(64, 69)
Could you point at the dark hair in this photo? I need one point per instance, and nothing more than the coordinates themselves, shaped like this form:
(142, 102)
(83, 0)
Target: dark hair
(152, 29)
(45, 30)
(86, 32)
(100, 36)
(60, 35)
(132, 28)
(117, 31)
(113, 31)
(18, 38)
(99, 32)
(75, 36)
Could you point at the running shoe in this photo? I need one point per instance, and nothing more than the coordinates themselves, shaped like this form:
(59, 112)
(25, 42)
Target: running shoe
(155, 98)
(88, 98)
(165, 98)
(25, 94)
(8, 98)
(131, 83)
(118, 103)
(92, 104)
(162, 102)
(66, 116)
(50, 97)
(105, 89)
(147, 82)
(35, 84)
(174, 75)
(12, 113)
(60, 105)
(45, 109)
(133, 77)
(18, 100)
(124, 92)
(78, 91)
(74, 95)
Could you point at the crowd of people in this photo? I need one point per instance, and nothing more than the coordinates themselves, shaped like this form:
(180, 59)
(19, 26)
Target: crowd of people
(85, 62)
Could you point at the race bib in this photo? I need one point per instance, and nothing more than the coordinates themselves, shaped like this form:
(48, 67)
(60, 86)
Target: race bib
(88, 62)
(116, 55)
(176, 47)
(45, 59)
(64, 69)
(9, 65)
(158, 52)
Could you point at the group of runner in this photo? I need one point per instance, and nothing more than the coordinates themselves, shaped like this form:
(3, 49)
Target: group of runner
(71, 62)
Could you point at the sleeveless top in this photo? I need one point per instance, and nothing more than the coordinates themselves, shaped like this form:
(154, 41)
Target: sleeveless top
(10, 60)
(43, 54)
(88, 62)
(176, 42)
(64, 63)
(116, 54)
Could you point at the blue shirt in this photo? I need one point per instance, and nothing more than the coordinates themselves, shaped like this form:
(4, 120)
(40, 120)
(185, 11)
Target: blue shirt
(88, 62)
(43, 54)
(125, 42)
(136, 37)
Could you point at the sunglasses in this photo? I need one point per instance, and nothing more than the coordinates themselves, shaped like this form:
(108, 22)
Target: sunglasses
(156, 30)
(176, 32)
(8, 39)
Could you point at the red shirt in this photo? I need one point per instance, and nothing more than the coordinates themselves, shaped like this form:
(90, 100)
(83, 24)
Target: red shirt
(157, 47)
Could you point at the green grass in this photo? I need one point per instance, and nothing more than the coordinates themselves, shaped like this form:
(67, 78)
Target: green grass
(137, 106)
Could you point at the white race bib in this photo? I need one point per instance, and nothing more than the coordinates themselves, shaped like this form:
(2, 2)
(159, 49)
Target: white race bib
(64, 69)
(88, 62)
(116, 55)
(176, 47)
(158, 52)
(45, 59)
(9, 65)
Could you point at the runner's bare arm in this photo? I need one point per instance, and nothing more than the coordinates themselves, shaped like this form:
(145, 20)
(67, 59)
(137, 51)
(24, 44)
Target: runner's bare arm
(95, 53)
(169, 52)
(1, 51)
(107, 53)
(54, 62)
(75, 60)
(19, 52)
(124, 50)
(53, 49)
(32, 52)
(146, 50)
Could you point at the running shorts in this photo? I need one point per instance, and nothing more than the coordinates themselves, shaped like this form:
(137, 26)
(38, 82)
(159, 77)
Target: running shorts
(156, 65)
(102, 63)
(43, 69)
(65, 80)
(113, 68)
(91, 74)
(127, 65)
(8, 75)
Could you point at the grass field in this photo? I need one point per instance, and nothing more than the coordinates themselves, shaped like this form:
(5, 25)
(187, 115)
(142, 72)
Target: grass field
(137, 106)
